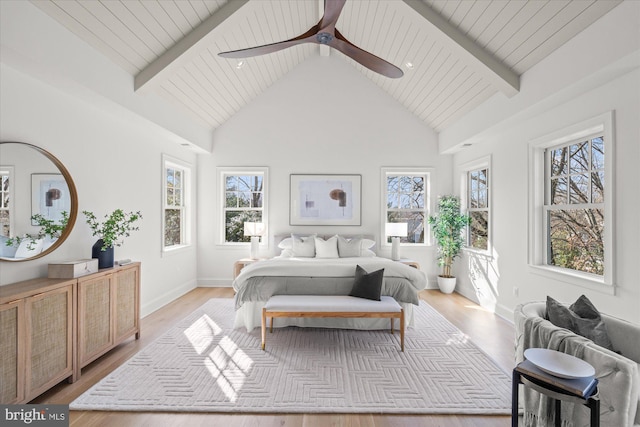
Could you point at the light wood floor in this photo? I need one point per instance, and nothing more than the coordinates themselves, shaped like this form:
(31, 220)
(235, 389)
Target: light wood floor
(491, 333)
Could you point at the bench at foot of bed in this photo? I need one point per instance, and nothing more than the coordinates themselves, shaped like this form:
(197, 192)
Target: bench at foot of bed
(331, 306)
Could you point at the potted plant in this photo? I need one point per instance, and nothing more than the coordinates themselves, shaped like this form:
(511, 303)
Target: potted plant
(447, 228)
(111, 232)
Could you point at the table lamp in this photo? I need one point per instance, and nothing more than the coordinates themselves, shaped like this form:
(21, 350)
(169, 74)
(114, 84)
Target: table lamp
(255, 230)
(395, 230)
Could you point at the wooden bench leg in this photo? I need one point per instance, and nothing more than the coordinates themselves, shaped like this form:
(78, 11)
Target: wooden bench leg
(392, 321)
(402, 329)
(271, 325)
(264, 327)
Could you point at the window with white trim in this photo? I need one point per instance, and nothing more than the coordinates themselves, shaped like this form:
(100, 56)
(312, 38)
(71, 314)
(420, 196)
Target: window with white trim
(406, 197)
(573, 189)
(476, 202)
(175, 209)
(6, 200)
(244, 197)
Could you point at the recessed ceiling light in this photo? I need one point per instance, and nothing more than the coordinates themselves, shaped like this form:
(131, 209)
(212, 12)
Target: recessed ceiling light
(409, 65)
(240, 64)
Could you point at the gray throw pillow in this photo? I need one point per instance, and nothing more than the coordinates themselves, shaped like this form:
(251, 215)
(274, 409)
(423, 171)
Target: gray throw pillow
(367, 285)
(582, 318)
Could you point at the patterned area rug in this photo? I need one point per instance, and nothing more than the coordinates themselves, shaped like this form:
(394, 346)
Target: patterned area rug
(204, 365)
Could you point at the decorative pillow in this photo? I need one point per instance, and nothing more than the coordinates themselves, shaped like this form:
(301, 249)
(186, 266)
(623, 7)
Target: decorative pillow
(582, 318)
(367, 285)
(327, 248)
(368, 243)
(349, 248)
(303, 246)
(7, 251)
(286, 243)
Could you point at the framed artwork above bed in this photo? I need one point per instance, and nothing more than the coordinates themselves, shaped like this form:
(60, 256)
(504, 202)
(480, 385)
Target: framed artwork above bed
(324, 199)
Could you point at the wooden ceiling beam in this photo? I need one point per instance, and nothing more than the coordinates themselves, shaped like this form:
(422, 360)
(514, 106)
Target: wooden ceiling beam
(180, 53)
(500, 76)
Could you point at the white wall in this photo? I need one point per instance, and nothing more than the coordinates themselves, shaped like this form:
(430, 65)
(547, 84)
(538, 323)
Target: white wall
(323, 117)
(115, 163)
(613, 84)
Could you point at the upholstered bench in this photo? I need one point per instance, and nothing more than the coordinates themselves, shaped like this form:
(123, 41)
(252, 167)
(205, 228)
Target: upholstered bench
(331, 306)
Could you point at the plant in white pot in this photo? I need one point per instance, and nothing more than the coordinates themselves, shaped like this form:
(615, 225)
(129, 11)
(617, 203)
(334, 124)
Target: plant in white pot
(111, 232)
(447, 226)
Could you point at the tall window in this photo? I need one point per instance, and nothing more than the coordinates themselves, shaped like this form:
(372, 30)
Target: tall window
(574, 205)
(244, 200)
(406, 193)
(175, 216)
(572, 227)
(6, 202)
(478, 208)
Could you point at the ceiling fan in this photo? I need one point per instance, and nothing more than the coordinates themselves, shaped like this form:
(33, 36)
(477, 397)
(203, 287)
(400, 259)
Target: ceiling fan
(325, 32)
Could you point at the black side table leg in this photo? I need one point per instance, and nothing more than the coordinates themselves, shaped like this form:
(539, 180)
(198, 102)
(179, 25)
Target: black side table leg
(515, 382)
(594, 405)
(558, 404)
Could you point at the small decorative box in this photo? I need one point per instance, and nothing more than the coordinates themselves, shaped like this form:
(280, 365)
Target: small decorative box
(73, 269)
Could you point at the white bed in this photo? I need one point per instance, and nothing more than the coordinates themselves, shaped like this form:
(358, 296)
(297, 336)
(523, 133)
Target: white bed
(291, 275)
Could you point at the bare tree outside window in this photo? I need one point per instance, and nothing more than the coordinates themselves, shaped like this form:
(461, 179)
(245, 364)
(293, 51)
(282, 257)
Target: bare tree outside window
(406, 200)
(575, 206)
(478, 209)
(244, 201)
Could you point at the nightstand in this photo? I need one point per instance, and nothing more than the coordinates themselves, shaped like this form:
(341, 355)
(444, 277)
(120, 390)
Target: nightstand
(242, 263)
(409, 262)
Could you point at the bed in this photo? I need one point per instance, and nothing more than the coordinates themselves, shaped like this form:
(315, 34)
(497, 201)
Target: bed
(325, 271)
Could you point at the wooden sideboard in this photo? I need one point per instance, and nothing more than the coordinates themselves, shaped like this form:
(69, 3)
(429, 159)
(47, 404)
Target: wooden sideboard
(51, 328)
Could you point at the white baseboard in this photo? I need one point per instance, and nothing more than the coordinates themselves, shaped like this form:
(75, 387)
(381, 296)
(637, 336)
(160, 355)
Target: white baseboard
(214, 283)
(164, 299)
(505, 312)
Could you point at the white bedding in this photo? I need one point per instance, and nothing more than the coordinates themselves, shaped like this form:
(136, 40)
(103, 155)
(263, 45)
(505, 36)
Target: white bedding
(280, 276)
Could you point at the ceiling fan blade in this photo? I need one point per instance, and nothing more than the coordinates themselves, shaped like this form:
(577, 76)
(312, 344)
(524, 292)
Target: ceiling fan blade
(307, 37)
(332, 10)
(365, 58)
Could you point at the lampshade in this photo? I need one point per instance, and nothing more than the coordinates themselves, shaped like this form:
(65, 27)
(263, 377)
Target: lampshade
(395, 229)
(253, 228)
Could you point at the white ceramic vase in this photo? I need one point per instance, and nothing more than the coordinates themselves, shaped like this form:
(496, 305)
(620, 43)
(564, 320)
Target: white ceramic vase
(446, 284)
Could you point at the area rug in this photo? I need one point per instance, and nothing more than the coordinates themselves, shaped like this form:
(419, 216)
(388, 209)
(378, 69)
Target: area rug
(204, 365)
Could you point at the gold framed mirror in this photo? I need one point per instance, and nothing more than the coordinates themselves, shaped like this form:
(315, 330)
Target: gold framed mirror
(38, 202)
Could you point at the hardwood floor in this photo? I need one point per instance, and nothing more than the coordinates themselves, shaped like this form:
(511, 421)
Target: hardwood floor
(492, 334)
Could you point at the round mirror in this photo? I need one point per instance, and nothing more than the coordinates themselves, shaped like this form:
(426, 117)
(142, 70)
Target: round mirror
(38, 202)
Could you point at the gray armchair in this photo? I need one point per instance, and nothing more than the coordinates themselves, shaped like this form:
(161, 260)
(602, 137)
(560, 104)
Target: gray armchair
(618, 374)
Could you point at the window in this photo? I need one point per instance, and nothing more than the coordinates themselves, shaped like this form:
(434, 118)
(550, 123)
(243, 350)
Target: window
(475, 190)
(407, 192)
(574, 205)
(243, 199)
(572, 184)
(175, 212)
(6, 200)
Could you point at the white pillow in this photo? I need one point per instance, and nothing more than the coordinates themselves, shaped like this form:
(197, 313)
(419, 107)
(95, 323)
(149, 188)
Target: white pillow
(327, 248)
(286, 243)
(29, 248)
(303, 246)
(355, 247)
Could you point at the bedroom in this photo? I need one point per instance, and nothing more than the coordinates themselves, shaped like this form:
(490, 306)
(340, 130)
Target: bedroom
(115, 156)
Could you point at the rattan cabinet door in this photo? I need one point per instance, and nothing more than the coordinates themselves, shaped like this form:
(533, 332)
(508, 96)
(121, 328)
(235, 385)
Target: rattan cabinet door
(127, 283)
(49, 326)
(95, 331)
(11, 352)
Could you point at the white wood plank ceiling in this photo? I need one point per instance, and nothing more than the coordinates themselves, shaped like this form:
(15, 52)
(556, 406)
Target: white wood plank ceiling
(462, 51)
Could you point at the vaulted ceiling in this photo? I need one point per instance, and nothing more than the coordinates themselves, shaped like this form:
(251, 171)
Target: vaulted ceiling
(455, 53)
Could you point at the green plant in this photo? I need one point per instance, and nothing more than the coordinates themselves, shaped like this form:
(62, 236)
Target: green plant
(114, 228)
(49, 228)
(447, 228)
